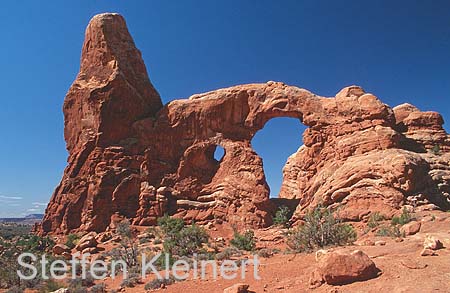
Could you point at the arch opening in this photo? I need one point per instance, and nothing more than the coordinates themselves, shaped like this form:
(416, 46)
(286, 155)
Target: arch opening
(275, 142)
(219, 153)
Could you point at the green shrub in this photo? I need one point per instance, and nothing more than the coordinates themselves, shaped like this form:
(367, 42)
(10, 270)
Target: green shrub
(227, 253)
(72, 240)
(81, 282)
(320, 229)
(181, 240)
(49, 286)
(389, 231)
(158, 283)
(265, 252)
(403, 219)
(187, 241)
(124, 229)
(436, 149)
(245, 241)
(79, 290)
(131, 281)
(33, 243)
(128, 249)
(170, 225)
(15, 289)
(282, 216)
(374, 220)
(99, 288)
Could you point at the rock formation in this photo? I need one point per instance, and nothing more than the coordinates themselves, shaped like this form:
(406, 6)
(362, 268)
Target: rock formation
(131, 157)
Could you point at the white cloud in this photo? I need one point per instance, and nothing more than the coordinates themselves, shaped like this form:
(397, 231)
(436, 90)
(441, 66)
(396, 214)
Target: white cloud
(32, 210)
(11, 197)
(41, 204)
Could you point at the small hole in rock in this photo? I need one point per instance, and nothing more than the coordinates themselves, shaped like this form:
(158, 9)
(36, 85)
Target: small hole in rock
(219, 153)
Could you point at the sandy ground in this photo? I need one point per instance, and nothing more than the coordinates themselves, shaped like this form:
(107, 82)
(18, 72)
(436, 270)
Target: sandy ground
(402, 267)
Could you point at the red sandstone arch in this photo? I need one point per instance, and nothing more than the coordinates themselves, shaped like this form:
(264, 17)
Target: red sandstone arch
(125, 148)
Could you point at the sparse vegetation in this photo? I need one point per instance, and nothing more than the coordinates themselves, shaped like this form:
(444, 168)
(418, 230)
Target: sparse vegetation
(128, 250)
(159, 283)
(182, 240)
(389, 231)
(282, 216)
(11, 230)
(266, 252)
(320, 229)
(131, 281)
(227, 253)
(375, 219)
(245, 241)
(99, 288)
(170, 225)
(49, 286)
(9, 266)
(436, 150)
(404, 218)
(72, 240)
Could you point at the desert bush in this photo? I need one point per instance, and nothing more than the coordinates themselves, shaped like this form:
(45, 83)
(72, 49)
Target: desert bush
(15, 289)
(436, 149)
(404, 218)
(282, 216)
(9, 264)
(35, 244)
(128, 250)
(158, 283)
(10, 230)
(245, 241)
(131, 281)
(99, 288)
(389, 231)
(170, 225)
(320, 229)
(49, 286)
(72, 240)
(78, 290)
(265, 252)
(374, 220)
(182, 240)
(227, 253)
(186, 242)
(81, 282)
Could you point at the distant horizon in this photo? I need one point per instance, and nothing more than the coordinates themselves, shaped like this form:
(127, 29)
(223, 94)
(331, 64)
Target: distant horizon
(397, 51)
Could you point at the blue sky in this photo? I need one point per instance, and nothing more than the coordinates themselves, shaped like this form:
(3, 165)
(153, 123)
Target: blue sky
(398, 50)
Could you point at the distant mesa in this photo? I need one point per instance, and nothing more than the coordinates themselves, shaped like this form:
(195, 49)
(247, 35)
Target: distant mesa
(132, 157)
(30, 219)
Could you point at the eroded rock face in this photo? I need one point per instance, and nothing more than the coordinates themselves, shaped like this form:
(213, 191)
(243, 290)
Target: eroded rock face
(130, 157)
(364, 163)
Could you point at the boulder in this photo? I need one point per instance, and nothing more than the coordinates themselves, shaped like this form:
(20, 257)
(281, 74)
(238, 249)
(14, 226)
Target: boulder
(62, 290)
(87, 241)
(60, 249)
(432, 243)
(380, 243)
(427, 252)
(103, 237)
(90, 250)
(339, 268)
(410, 228)
(66, 255)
